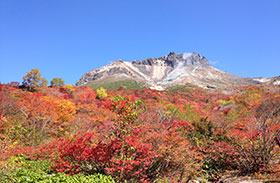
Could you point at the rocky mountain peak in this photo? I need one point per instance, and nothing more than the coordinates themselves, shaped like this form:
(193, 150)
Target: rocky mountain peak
(173, 59)
(187, 59)
(170, 70)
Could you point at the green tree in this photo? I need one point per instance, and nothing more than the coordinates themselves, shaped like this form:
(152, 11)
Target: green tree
(33, 80)
(101, 93)
(57, 82)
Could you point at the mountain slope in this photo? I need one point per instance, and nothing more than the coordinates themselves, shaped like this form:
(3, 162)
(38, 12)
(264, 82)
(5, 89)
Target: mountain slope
(163, 72)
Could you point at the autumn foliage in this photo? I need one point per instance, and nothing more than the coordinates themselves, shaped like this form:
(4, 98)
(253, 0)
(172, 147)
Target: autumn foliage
(143, 135)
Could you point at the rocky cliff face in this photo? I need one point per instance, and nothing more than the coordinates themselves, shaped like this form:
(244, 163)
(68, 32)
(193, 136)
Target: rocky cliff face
(170, 70)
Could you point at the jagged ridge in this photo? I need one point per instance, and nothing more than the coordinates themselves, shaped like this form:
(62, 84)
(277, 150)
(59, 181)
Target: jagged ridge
(163, 72)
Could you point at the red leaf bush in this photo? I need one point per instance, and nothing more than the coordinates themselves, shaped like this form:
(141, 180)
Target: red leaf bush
(123, 158)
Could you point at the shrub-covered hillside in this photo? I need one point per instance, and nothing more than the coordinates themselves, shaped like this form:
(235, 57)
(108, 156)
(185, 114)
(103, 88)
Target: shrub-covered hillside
(68, 134)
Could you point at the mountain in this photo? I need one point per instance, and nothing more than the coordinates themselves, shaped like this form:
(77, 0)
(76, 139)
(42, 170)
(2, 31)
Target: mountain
(187, 69)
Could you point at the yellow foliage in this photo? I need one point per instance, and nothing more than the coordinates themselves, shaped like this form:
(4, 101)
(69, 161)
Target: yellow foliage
(33, 80)
(101, 93)
(69, 87)
(224, 102)
(251, 96)
(65, 109)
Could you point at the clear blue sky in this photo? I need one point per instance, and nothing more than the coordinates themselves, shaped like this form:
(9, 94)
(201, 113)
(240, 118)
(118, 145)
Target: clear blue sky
(67, 38)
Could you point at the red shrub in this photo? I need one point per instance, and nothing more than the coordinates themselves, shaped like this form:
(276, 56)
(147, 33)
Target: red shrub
(124, 158)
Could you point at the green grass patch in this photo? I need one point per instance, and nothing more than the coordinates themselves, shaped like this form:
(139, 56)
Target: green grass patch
(126, 84)
(22, 169)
